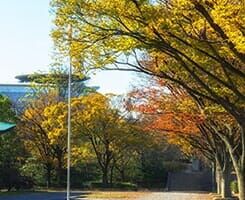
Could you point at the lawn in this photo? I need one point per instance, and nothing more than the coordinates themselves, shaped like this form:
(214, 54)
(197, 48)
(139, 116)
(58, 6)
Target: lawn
(116, 195)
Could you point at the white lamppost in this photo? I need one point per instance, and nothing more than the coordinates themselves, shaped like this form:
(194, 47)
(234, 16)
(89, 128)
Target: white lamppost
(69, 120)
(69, 134)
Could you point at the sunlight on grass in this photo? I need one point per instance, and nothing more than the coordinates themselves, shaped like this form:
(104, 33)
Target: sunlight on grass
(115, 195)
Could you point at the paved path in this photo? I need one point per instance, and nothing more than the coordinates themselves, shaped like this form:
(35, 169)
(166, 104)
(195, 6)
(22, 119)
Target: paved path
(150, 196)
(176, 196)
(43, 196)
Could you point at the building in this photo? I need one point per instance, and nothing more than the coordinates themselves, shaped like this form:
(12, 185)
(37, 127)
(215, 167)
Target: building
(15, 92)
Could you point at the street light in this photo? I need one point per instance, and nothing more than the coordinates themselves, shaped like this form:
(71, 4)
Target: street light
(69, 134)
(69, 120)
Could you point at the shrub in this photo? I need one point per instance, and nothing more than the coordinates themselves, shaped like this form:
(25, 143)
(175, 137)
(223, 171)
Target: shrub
(234, 186)
(125, 186)
(11, 178)
(118, 185)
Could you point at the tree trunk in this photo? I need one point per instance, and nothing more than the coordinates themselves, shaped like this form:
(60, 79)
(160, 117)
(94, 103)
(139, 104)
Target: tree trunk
(225, 181)
(122, 173)
(218, 175)
(223, 175)
(105, 177)
(241, 185)
(241, 172)
(48, 174)
(111, 175)
(214, 186)
(59, 171)
(238, 163)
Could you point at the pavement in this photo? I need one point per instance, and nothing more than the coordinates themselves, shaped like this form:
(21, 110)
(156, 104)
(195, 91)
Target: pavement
(176, 196)
(82, 196)
(45, 196)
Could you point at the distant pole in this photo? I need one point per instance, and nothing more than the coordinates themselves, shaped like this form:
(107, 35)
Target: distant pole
(69, 122)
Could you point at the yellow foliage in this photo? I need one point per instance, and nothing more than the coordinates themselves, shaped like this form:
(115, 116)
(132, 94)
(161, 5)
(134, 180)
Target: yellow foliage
(185, 42)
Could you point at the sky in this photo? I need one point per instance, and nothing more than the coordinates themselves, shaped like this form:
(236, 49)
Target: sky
(26, 45)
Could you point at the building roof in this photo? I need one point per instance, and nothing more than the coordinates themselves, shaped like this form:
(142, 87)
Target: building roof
(15, 84)
(39, 78)
(6, 126)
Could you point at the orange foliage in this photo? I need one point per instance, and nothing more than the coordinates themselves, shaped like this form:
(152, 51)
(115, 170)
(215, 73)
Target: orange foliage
(168, 111)
(179, 123)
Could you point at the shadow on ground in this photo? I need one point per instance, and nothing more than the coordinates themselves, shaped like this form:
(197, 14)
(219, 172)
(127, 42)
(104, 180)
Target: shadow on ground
(80, 195)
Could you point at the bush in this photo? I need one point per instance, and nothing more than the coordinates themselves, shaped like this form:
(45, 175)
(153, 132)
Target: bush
(23, 182)
(125, 186)
(11, 178)
(119, 185)
(234, 186)
(32, 168)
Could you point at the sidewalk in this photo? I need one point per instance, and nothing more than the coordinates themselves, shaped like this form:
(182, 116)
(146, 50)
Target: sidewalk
(176, 196)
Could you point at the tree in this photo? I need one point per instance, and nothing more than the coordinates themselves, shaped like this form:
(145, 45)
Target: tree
(128, 148)
(105, 129)
(57, 79)
(12, 157)
(47, 114)
(173, 114)
(195, 44)
(7, 113)
(55, 125)
(35, 135)
(12, 152)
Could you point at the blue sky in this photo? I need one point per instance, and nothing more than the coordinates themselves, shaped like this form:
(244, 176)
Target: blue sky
(26, 47)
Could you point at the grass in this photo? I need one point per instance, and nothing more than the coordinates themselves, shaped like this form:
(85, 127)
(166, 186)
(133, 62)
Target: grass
(115, 195)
